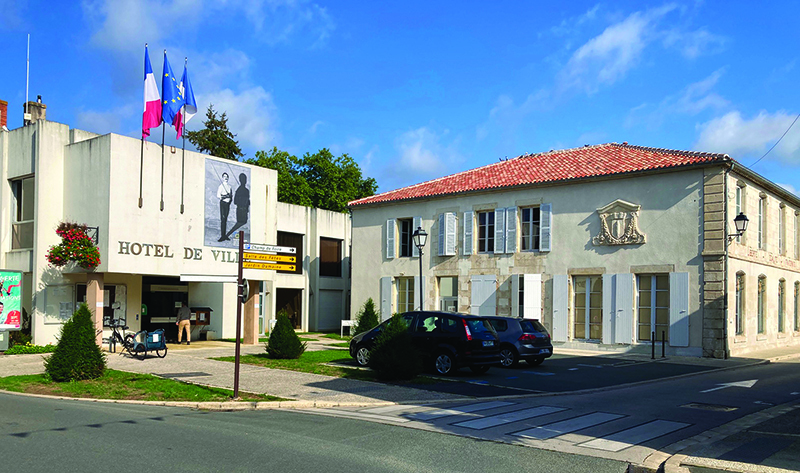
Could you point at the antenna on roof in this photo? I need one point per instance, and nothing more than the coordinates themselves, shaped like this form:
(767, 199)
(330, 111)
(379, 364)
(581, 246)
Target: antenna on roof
(27, 116)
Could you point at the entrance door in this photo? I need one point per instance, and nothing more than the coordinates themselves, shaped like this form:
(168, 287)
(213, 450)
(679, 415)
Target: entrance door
(161, 299)
(291, 301)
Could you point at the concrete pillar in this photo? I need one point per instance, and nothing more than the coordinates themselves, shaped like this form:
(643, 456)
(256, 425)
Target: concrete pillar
(250, 315)
(94, 299)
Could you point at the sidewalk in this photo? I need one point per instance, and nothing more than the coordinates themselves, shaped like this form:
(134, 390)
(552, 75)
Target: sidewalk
(760, 442)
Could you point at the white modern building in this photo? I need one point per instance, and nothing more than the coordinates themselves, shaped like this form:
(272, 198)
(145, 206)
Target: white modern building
(166, 226)
(609, 246)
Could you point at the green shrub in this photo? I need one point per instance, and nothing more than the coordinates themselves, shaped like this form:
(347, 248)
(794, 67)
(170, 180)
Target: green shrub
(394, 355)
(19, 337)
(367, 318)
(283, 343)
(28, 348)
(77, 356)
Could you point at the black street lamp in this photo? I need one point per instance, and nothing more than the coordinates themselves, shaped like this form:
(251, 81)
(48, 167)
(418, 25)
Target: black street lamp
(420, 238)
(740, 222)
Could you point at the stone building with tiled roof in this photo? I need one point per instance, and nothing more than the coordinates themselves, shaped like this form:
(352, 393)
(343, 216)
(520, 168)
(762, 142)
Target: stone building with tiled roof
(608, 245)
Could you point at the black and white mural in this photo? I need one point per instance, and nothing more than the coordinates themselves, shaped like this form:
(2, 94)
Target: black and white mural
(227, 206)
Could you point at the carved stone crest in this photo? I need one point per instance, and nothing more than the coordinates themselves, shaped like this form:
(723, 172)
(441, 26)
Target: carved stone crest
(619, 224)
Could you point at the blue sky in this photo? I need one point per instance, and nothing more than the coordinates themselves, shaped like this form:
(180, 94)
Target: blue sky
(416, 90)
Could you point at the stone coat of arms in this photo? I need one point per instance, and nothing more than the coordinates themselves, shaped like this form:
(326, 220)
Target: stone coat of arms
(619, 224)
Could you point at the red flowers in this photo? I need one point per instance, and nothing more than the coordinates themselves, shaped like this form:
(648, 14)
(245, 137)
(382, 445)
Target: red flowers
(75, 246)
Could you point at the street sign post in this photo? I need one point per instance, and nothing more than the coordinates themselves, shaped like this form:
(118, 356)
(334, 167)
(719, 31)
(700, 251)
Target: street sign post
(270, 248)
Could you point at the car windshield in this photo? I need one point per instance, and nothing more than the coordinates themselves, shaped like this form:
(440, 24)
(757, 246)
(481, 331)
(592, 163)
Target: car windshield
(480, 325)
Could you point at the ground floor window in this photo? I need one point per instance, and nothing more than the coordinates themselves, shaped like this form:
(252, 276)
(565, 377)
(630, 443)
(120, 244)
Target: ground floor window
(740, 303)
(588, 304)
(781, 306)
(762, 304)
(653, 307)
(405, 294)
(448, 293)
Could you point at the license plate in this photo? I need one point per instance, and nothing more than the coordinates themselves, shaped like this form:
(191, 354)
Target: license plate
(544, 351)
(488, 343)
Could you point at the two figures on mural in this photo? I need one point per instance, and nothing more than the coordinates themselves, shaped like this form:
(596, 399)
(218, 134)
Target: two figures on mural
(241, 199)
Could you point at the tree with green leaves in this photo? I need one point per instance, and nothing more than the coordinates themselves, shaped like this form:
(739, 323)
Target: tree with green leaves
(215, 138)
(283, 342)
(317, 180)
(77, 354)
(367, 318)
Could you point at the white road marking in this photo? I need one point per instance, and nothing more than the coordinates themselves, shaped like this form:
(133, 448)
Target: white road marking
(590, 366)
(795, 393)
(458, 410)
(738, 384)
(387, 409)
(508, 417)
(634, 436)
(573, 369)
(356, 415)
(540, 373)
(566, 426)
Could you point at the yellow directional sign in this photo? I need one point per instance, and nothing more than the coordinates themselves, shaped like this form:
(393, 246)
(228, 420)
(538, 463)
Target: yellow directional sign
(265, 257)
(275, 266)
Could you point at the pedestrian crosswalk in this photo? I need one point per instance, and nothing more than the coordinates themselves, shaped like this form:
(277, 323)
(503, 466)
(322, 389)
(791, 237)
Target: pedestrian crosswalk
(601, 431)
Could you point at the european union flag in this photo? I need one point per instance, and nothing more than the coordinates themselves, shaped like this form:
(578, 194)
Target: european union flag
(172, 98)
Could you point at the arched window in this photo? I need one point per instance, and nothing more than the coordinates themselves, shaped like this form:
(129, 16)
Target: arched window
(740, 302)
(762, 304)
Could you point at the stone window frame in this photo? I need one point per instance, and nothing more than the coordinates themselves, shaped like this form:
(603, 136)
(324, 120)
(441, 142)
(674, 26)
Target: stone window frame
(761, 312)
(740, 299)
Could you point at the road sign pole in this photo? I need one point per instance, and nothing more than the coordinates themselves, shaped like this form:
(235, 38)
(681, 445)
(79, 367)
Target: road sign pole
(238, 318)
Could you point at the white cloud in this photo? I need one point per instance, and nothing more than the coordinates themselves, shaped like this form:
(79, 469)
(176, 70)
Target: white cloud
(110, 121)
(571, 25)
(252, 115)
(13, 11)
(693, 44)
(739, 137)
(421, 155)
(315, 126)
(789, 188)
(691, 100)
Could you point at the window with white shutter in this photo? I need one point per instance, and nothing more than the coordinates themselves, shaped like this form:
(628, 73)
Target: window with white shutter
(417, 224)
(511, 230)
(468, 224)
(500, 231)
(546, 226)
(390, 238)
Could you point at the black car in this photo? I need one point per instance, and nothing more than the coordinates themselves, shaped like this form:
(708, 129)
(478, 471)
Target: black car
(447, 341)
(525, 339)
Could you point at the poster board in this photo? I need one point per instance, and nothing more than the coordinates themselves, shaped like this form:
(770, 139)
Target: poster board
(10, 300)
(59, 303)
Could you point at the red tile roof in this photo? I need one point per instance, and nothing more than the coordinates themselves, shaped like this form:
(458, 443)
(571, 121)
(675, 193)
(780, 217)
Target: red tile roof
(554, 166)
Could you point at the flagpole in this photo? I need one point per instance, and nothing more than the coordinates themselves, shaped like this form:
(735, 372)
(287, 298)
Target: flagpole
(141, 156)
(183, 132)
(162, 165)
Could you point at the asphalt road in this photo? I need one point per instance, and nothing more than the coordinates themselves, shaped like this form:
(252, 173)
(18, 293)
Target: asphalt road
(559, 373)
(65, 436)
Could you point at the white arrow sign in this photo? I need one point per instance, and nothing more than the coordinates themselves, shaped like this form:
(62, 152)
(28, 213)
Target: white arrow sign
(737, 384)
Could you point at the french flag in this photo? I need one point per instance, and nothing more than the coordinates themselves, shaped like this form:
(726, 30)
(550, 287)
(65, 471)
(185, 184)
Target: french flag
(151, 117)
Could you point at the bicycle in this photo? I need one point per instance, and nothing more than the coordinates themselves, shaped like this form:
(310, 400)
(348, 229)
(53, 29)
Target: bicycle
(124, 340)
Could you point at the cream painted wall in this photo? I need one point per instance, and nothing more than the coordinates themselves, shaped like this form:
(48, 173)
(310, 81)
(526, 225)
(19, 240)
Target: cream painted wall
(670, 217)
(747, 258)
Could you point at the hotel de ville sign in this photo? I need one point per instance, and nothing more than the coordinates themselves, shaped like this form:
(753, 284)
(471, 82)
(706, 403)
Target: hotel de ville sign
(619, 224)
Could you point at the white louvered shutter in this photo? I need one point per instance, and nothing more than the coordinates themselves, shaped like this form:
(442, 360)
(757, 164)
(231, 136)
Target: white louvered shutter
(390, 238)
(545, 227)
(511, 230)
(499, 231)
(679, 309)
(417, 224)
(386, 298)
(450, 233)
(532, 296)
(623, 320)
(560, 307)
(608, 308)
(442, 233)
(468, 224)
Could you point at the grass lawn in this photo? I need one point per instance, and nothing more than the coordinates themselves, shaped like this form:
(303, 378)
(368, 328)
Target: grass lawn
(121, 385)
(340, 344)
(336, 336)
(315, 362)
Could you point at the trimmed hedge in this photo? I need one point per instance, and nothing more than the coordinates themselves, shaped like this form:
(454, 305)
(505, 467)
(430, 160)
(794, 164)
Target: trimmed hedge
(77, 355)
(283, 342)
(30, 348)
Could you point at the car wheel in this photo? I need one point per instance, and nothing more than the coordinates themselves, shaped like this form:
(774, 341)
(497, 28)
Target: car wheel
(480, 369)
(535, 361)
(443, 363)
(362, 356)
(508, 357)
